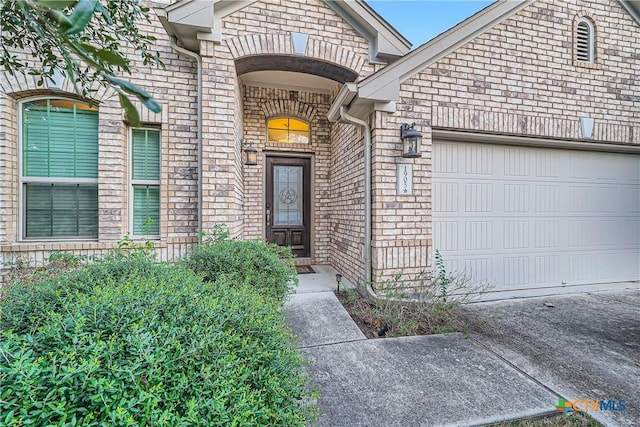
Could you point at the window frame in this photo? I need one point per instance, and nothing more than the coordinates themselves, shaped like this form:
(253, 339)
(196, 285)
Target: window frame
(24, 180)
(132, 183)
(289, 117)
(591, 51)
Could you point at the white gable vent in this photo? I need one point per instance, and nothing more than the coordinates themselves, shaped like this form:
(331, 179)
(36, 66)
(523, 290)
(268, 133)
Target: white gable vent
(585, 41)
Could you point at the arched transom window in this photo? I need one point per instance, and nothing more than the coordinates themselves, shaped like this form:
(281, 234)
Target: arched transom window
(288, 130)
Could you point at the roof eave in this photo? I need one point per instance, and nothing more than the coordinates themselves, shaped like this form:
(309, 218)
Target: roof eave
(386, 43)
(633, 7)
(188, 21)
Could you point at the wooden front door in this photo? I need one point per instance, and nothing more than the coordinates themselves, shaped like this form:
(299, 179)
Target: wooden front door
(288, 203)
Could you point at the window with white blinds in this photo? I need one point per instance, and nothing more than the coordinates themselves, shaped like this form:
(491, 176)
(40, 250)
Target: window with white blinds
(585, 41)
(59, 179)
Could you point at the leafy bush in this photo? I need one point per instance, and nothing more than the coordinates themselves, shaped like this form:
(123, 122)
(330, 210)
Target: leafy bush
(267, 268)
(124, 341)
(26, 305)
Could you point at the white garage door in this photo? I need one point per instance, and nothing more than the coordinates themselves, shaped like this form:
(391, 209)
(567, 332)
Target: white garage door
(521, 217)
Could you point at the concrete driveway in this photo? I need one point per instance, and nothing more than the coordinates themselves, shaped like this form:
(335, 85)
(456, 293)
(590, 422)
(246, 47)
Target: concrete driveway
(584, 346)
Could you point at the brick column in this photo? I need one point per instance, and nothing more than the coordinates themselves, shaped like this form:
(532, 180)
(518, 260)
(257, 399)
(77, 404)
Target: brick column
(221, 134)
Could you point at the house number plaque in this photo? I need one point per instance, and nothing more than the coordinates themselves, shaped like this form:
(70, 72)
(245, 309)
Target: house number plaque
(404, 179)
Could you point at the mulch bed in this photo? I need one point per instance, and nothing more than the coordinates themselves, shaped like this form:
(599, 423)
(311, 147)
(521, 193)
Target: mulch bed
(373, 317)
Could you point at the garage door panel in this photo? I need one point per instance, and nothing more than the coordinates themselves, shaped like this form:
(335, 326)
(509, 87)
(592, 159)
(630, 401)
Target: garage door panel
(516, 234)
(516, 162)
(516, 198)
(447, 197)
(631, 200)
(596, 199)
(533, 217)
(547, 198)
(478, 197)
(547, 163)
(448, 230)
(610, 233)
(583, 166)
(478, 160)
(516, 270)
(579, 233)
(448, 161)
(478, 235)
(479, 269)
(546, 269)
(547, 234)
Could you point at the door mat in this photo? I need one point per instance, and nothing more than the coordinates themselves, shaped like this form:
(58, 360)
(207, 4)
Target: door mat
(304, 269)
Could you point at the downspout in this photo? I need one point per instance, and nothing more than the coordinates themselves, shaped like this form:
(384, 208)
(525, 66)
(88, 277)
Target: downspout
(367, 195)
(199, 124)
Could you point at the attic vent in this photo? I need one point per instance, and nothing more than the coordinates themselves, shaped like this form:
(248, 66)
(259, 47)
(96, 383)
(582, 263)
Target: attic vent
(585, 49)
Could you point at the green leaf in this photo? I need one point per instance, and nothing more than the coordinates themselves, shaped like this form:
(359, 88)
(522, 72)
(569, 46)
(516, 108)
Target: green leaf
(111, 57)
(152, 105)
(105, 13)
(130, 112)
(82, 14)
(140, 93)
(59, 17)
(56, 4)
(88, 48)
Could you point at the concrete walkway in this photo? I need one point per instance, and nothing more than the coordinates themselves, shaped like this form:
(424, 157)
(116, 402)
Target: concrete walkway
(412, 381)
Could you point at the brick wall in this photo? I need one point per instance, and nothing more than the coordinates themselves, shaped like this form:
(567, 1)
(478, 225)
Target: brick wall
(8, 169)
(175, 89)
(347, 201)
(232, 193)
(264, 27)
(401, 224)
(519, 78)
(221, 197)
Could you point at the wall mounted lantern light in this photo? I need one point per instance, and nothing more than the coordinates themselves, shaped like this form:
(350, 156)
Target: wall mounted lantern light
(411, 140)
(250, 153)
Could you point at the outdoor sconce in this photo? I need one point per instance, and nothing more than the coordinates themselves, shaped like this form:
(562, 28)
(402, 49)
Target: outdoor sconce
(411, 140)
(250, 154)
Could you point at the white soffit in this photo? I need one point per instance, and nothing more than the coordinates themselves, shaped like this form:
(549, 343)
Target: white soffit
(290, 80)
(193, 20)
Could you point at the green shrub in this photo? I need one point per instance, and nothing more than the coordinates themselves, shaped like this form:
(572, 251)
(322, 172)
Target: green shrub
(263, 266)
(26, 305)
(124, 341)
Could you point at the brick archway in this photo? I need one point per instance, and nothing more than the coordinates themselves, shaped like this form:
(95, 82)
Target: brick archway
(256, 52)
(289, 107)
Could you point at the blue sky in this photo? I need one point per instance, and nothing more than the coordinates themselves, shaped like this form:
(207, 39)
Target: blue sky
(422, 20)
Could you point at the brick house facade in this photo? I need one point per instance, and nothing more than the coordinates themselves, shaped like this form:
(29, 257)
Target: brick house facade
(503, 100)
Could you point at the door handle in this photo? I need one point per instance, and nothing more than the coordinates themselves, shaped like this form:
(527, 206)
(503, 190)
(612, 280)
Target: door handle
(269, 217)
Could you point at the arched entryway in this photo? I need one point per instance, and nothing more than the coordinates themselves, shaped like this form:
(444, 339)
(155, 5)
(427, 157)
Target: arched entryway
(287, 194)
